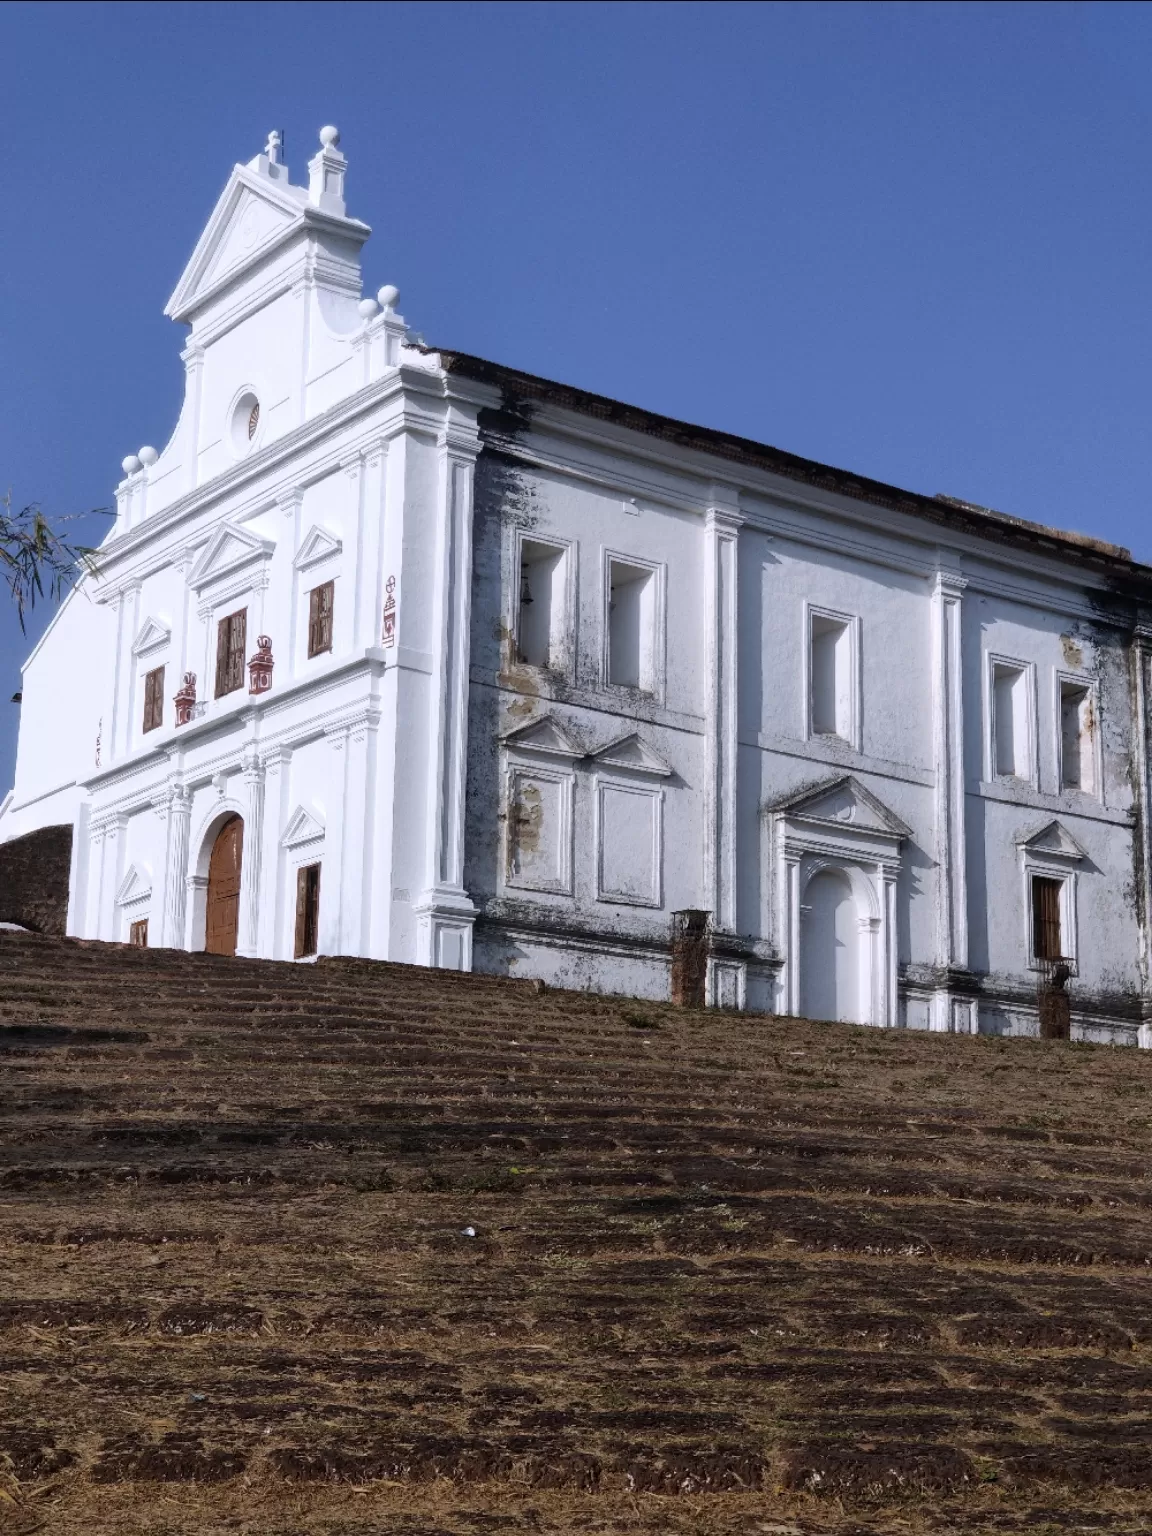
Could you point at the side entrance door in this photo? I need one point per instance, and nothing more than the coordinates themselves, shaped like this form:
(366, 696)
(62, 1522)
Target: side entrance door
(222, 919)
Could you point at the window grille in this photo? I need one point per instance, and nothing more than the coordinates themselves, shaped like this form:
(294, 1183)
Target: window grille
(1046, 938)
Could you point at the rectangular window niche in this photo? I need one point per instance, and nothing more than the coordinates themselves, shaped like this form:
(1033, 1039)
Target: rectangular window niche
(542, 605)
(1011, 746)
(633, 648)
(1078, 740)
(832, 656)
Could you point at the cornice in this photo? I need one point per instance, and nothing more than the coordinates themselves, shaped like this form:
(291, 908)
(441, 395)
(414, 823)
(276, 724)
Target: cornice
(398, 384)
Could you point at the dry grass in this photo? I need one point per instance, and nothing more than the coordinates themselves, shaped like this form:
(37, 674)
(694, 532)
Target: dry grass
(728, 1274)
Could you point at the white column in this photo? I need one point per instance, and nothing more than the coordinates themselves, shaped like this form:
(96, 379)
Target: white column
(951, 887)
(889, 1013)
(331, 935)
(357, 895)
(193, 359)
(110, 873)
(252, 856)
(370, 564)
(119, 606)
(176, 809)
(721, 530)
(276, 779)
(444, 911)
(788, 929)
(90, 926)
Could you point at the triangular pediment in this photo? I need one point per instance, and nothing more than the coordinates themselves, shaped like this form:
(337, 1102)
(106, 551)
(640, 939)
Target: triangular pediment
(252, 216)
(842, 802)
(227, 551)
(317, 544)
(1054, 841)
(634, 754)
(304, 826)
(153, 635)
(545, 735)
(135, 886)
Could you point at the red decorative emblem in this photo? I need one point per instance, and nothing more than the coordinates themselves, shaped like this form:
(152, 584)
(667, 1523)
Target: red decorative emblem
(389, 638)
(186, 699)
(260, 667)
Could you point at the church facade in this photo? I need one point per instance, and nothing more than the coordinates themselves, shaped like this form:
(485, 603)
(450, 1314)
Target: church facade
(399, 653)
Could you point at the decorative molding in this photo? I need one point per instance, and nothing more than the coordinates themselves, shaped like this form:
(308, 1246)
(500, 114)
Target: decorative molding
(304, 826)
(153, 635)
(545, 736)
(317, 545)
(136, 887)
(631, 754)
(1052, 841)
(228, 551)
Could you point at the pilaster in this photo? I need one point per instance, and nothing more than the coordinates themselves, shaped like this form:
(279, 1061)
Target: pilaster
(721, 531)
(445, 913)
(275, 763)
(951, 883)
(332, 878)
(251, 865)
(175, 809)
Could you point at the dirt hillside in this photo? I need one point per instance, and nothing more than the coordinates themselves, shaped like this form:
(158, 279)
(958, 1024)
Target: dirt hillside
(354, 1248)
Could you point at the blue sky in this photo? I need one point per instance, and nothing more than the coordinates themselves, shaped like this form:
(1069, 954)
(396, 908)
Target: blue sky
(908, 240)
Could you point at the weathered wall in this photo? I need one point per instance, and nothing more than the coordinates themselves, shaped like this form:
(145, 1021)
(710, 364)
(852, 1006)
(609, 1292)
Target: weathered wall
(34, 880)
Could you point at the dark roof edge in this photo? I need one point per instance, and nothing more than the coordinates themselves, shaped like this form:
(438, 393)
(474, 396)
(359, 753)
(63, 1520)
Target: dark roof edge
(948, 512)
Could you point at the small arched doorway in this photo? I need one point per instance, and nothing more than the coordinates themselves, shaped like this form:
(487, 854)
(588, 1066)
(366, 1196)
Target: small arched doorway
(829, 949)
(222, 907)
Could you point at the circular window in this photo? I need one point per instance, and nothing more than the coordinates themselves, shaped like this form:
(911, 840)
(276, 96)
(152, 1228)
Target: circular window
(245, 422)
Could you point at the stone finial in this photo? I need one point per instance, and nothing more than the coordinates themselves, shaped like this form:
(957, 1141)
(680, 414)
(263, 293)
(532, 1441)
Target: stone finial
(131, 464)
(185, 699)
(273, 147)
(260, 666)
(147, 457)
(326, 174)
(388, 296)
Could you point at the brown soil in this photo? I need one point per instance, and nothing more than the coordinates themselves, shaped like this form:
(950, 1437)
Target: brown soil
(353, 1248)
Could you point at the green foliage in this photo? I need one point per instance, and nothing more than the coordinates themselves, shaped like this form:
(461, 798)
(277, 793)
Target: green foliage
(36, 559)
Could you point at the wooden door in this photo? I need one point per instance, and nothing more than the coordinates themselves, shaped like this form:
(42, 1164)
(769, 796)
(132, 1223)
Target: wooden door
(223, 914)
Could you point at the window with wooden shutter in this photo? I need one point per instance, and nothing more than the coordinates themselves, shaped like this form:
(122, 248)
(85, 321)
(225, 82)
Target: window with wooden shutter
(307, 910)
(320, 619)
(1046, 938)
(231, 640)
(153, 698)
(138, 934)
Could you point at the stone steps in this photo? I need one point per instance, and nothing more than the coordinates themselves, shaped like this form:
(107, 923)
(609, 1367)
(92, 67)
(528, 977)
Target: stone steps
(552, 1261)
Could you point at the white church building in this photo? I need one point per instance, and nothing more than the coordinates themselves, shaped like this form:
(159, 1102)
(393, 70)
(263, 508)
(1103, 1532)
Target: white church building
(399, 653)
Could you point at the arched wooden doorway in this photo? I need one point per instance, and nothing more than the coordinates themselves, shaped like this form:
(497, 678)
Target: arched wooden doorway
(222, 914)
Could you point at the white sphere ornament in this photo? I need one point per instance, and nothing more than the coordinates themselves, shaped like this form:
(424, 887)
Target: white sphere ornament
(131, 464)
(368, 308)
(329, 137)
(389, 296)
(148, 456)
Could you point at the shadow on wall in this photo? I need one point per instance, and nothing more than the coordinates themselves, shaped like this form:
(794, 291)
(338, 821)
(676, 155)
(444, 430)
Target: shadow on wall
(34, 880)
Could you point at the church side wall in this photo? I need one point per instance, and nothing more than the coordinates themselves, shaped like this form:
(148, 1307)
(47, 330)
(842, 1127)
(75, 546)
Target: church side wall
(536, 731)
(584, 896)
